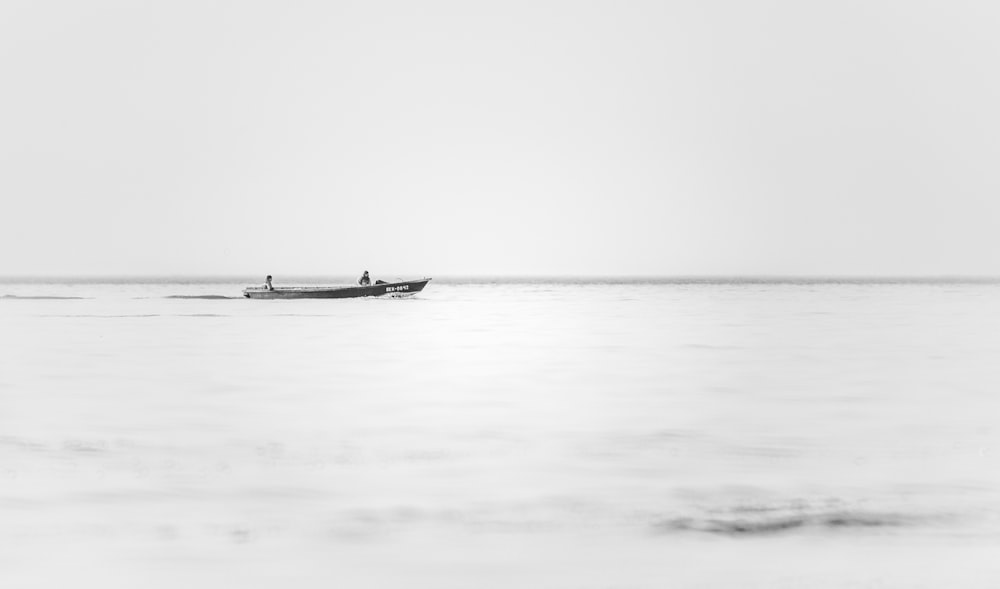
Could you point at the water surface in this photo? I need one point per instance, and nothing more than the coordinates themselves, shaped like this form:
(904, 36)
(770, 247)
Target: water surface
(545, 434)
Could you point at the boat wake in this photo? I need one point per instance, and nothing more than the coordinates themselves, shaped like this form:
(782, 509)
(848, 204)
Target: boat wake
(202, 297)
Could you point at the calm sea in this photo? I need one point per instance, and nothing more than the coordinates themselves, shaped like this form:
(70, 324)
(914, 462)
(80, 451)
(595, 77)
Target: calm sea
(572, 434)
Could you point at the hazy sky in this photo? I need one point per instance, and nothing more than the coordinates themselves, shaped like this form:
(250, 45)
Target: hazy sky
(437, 138)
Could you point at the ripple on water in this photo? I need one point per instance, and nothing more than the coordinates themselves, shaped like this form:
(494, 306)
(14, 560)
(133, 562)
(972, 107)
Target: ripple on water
(758, 520)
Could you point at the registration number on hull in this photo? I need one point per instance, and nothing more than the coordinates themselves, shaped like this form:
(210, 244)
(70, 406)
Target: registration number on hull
(397, 288)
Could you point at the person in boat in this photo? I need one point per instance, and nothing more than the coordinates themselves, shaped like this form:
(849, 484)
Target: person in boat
(267, 283)
(365, 280)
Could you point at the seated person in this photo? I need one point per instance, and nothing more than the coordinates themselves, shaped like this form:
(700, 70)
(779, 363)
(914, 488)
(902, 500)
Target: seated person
(267, 285)
(365, 280)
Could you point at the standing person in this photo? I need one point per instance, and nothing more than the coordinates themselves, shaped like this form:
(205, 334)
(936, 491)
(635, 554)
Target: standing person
(364, 280)
(267, 284)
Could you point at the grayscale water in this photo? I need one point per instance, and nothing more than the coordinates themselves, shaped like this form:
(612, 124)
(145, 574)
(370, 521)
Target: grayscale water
(496, 434)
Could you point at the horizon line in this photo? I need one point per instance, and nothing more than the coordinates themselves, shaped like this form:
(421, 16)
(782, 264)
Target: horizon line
(764, 277)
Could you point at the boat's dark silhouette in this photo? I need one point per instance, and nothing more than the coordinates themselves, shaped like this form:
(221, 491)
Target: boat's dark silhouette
(337, 292)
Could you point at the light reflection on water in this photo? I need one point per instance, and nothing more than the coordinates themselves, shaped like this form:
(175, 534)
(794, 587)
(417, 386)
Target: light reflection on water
(554, 434)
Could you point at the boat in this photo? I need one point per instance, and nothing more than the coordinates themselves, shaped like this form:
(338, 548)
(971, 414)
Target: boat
(393, 289)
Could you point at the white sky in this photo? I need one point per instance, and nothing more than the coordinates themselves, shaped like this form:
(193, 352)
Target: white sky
(449, 138)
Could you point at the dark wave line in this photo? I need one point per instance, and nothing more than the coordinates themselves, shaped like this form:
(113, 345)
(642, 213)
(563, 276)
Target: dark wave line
(783, 523)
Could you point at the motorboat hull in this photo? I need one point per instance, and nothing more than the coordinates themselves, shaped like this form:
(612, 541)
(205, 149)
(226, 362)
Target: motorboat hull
(337, 292)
